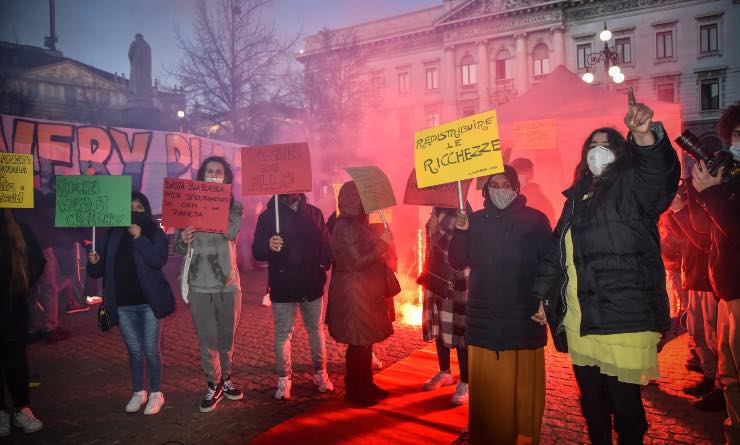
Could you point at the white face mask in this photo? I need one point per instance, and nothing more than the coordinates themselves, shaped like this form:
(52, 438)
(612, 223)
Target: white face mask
(218, 180)
(597, 158)
(502, 198)
(735, 150)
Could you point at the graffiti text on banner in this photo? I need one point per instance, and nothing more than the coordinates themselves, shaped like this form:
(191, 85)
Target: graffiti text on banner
(461, 149)
(16, 180)
(93, 201)
(201, 205)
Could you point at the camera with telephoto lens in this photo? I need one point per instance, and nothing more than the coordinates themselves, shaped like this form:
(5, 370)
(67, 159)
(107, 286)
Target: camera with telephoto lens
(691, 145)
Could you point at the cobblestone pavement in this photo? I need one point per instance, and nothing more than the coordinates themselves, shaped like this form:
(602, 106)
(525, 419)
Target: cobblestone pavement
(85, 385)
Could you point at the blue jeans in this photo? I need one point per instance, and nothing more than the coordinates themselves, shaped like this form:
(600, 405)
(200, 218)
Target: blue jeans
(142, 334)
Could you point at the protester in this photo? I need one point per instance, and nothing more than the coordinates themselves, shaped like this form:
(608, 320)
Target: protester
(701, 317)
(215, 294)
(604, 278)
(298, 257)
(357, 313)
(137, 297)
(443, 306)
(21, 265)
(502, 244)
(718, 199)
(533, 192)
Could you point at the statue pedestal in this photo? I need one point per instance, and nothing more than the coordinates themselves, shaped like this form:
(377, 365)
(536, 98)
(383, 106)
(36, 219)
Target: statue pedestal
(140, 112)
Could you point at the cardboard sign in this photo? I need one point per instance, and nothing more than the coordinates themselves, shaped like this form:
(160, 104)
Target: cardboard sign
(16, 180)
(276, 169)
(535, 135)
(463, 149)
(443, 195)
(375, 218)
(375, 189)
(201, 205)
(93, 201)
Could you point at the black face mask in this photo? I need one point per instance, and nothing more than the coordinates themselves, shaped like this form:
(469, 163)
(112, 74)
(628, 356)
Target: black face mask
(140, 218)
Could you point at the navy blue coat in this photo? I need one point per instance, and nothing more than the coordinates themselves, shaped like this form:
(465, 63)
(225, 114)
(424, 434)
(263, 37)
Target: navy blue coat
(150, 256)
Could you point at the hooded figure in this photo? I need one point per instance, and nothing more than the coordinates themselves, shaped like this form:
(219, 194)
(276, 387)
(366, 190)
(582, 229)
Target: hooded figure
(357, 312)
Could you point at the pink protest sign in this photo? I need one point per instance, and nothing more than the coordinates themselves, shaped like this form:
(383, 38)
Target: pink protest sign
(201, 205)
(276, 169)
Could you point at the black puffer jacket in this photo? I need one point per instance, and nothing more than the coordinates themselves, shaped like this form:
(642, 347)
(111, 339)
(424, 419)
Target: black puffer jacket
(503, 249)
(298, 271)
(616, 246)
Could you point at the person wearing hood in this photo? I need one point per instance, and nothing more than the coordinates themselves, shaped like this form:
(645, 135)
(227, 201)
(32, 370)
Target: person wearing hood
(603, 280)
(137, 296)
(214, 290)
(357, 312)
(298, 258)
(502, 244)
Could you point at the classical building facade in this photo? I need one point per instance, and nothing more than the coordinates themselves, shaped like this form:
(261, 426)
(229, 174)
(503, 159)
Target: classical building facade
(40, 83)
(466, 56)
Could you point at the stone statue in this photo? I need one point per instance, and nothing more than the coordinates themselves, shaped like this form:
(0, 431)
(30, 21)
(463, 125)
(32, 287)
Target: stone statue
(140, 57)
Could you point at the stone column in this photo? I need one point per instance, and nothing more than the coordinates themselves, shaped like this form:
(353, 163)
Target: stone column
(558, 42)
(483, 77)
(448, 81)
(521, 81)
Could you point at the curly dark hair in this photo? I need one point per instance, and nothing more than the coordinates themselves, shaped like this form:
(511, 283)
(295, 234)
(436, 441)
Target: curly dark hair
(729, 120)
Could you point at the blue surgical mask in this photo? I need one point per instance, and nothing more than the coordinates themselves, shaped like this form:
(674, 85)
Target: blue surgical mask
(217, 180)
(735, 150)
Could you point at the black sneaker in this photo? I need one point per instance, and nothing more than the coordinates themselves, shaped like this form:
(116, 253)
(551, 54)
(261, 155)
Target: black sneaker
(705, 386)
(231, 391)
(211, 399)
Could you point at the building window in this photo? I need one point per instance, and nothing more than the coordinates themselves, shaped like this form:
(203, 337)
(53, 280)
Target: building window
(708, 39)
(404, 85)
(541, 55)
(710, 94)
(468, 70)
(664, 45)
(468, 111)
(623, 47)
(584, 52)
(666, 92)
(378, 82)
(432, 119)
(432, 78)
(503, 65)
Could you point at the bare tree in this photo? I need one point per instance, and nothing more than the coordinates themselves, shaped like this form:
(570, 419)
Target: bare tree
(337, 89)
(232, 65)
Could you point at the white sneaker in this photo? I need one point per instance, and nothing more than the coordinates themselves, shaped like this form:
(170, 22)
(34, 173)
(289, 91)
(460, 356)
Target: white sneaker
(26, 420)
(266, 300)
(439, 380)
(136, 402)
(321, 379)
(156, 401)
(461, 395)
(283, 389)
(4, 424)
(377, 364)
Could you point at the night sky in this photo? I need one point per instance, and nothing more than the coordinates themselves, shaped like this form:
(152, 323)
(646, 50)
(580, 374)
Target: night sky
(98, 32)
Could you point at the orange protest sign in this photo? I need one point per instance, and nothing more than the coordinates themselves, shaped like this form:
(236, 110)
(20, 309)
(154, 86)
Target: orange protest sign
(535, 135)
(276, 169)
(201, 205)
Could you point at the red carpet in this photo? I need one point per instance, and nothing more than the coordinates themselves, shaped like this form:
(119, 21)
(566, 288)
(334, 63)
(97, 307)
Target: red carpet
(408, 416)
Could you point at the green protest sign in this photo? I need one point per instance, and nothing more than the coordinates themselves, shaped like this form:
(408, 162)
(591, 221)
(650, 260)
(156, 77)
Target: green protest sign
(93, 201)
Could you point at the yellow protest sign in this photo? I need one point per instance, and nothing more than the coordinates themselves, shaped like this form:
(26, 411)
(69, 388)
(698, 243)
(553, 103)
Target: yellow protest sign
(535, 135)
(462, 149)
(16, 180)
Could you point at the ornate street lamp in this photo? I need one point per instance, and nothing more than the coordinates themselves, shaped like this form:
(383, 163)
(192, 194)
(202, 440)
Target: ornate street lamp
(181, 118)
(607, 56)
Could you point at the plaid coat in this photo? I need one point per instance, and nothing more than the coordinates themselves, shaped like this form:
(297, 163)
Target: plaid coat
(444, 318)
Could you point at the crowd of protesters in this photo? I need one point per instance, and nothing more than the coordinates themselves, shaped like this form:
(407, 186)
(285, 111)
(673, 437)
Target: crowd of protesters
(634, 251)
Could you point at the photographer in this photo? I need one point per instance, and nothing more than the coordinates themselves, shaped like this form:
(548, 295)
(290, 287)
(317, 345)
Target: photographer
(718, 197)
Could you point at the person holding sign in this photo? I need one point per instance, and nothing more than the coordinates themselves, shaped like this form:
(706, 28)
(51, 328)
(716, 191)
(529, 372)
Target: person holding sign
(215, 296)
(502, 245)
(445, 296)
(21, 265)
(298, 258)
(137, 296)
(603, 281)
(357, 312)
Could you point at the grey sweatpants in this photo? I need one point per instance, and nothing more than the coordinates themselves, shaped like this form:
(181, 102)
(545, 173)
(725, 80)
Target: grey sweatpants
(215, 316)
